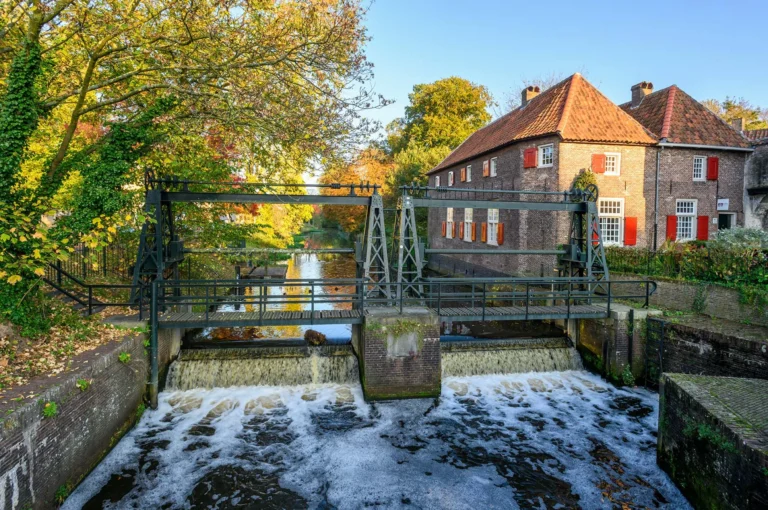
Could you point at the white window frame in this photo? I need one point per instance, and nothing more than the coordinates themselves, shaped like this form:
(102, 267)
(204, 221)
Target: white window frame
(437, 181)
(468, 213)
(449, 222)
(703, 176)
(541, 155)
(450, 178)
(469, 173)
(611, 215)
(686, 215)
(493, 167)
(493, 227)
(617, 169)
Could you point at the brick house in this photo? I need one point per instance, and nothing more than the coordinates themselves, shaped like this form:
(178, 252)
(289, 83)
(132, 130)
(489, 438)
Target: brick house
(756, 181)
(554, 136)
(699, 168)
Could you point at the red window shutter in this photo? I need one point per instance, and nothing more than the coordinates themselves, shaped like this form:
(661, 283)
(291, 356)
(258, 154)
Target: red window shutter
(484, 233)
(529, 158)
(500, 234)
(630, 231)
(598, 163)
(702, 228)
(713, 168)
(461, 230)
(463, 175)
(671, 228)
(453, 230)
(486, 168)
(445, 228)
(595, 238)
(474, 230)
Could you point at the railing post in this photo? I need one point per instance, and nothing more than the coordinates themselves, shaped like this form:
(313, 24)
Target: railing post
(90, 299)
(483, 301)
(527, 298)
(104, 261)
(312, 304)
(647, 293)
(58, 272)
(207, 299)
(153, 381)
(568, 301)
(609, 298)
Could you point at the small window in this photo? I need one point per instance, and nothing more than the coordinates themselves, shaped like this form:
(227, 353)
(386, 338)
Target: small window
(546, 155)
(611, 215)
(437, 181)
(699, 164)
(493, 227)
(493, 167)
(450, 178)
(469, 173)
(612, 163)
(686, 219)
(468, 224)
(449, 223)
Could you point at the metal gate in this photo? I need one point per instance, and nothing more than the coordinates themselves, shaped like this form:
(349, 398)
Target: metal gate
(654, 352)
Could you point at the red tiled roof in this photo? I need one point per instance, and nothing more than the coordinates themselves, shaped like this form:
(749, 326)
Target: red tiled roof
(759, 136)
(676, 117)
(573, 109)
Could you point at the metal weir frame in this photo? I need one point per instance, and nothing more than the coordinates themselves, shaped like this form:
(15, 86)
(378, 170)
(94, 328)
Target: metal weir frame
(583, 257)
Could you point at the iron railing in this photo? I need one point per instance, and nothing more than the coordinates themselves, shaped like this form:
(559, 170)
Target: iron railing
(113, 260)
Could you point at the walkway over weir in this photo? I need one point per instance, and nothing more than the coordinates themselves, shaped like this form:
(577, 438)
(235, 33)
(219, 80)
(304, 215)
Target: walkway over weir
(274, 302)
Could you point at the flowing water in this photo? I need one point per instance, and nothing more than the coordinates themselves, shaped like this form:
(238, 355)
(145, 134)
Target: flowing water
(545, 440)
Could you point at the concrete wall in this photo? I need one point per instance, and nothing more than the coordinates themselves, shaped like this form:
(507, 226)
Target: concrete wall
(756, 176)
(712, 300)
(43, 458)
(711, 439)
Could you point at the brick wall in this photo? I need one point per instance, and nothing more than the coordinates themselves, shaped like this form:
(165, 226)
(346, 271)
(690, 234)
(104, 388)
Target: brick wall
(399, 368)
(40, 455)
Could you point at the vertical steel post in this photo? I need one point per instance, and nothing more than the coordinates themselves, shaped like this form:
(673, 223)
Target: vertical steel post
(153, 381)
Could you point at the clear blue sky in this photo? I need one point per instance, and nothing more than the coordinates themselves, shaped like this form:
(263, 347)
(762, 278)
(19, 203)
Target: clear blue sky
(710, 49)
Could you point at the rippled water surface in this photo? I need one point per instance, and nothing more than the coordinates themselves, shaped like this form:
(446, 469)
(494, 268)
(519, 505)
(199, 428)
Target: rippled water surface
(546, 440)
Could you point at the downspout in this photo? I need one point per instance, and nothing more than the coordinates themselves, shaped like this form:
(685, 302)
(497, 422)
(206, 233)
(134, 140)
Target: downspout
(656, 201)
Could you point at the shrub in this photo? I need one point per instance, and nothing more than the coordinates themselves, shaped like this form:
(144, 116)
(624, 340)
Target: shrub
(50, 410)
(124, 357)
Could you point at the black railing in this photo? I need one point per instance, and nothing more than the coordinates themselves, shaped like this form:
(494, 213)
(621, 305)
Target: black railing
(115, 260)
(92, 295)
(480, 294)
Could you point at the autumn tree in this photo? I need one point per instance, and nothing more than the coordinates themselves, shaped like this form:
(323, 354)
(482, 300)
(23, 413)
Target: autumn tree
(511, 100)
(733, 108)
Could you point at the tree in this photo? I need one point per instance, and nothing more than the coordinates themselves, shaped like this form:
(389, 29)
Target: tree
(440, 114)
(736, 108)
(372, 166)
(512, 99)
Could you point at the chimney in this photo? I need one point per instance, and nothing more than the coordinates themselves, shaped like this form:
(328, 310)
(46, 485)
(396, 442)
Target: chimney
(639, 91)
(529, 93)
(739, 124)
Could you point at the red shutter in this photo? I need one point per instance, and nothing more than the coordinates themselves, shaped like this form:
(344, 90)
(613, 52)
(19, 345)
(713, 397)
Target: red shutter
(630, 231)
(671, 228)
(500, 234)
(453, 230)
(484, 232)
(486, 168)
(474, 230)
(529, 158)
(461, 230)
(445, 229)
(713, 168)
(595, 238)
(463, 174)
(702, 228)
(598, 163)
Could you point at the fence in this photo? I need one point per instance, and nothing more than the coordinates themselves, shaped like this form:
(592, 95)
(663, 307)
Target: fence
(115, 260)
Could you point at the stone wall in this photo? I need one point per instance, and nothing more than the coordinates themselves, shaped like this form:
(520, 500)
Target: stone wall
(399, 354)
(43, 458)
(709, 299)
(713, 438)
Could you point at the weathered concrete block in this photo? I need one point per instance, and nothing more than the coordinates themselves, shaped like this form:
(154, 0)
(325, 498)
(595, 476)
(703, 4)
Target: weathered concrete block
(713, 439)
(399, 354)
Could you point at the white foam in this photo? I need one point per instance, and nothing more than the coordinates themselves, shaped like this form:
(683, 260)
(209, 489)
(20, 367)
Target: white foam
(393, 453)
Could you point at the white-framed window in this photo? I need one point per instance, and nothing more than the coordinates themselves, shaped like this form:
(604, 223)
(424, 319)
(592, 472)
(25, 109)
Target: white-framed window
(546, 155)
(437, 181)
(468, 224)
(699, 167)
(610, 211)
(449, 223)
(493, 167)
(493, 227)
(469, 173)
(685, 210)
(450, 178)
(612, 163)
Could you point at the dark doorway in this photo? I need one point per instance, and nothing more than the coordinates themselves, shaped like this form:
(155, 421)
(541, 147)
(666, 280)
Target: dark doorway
(725, 220)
